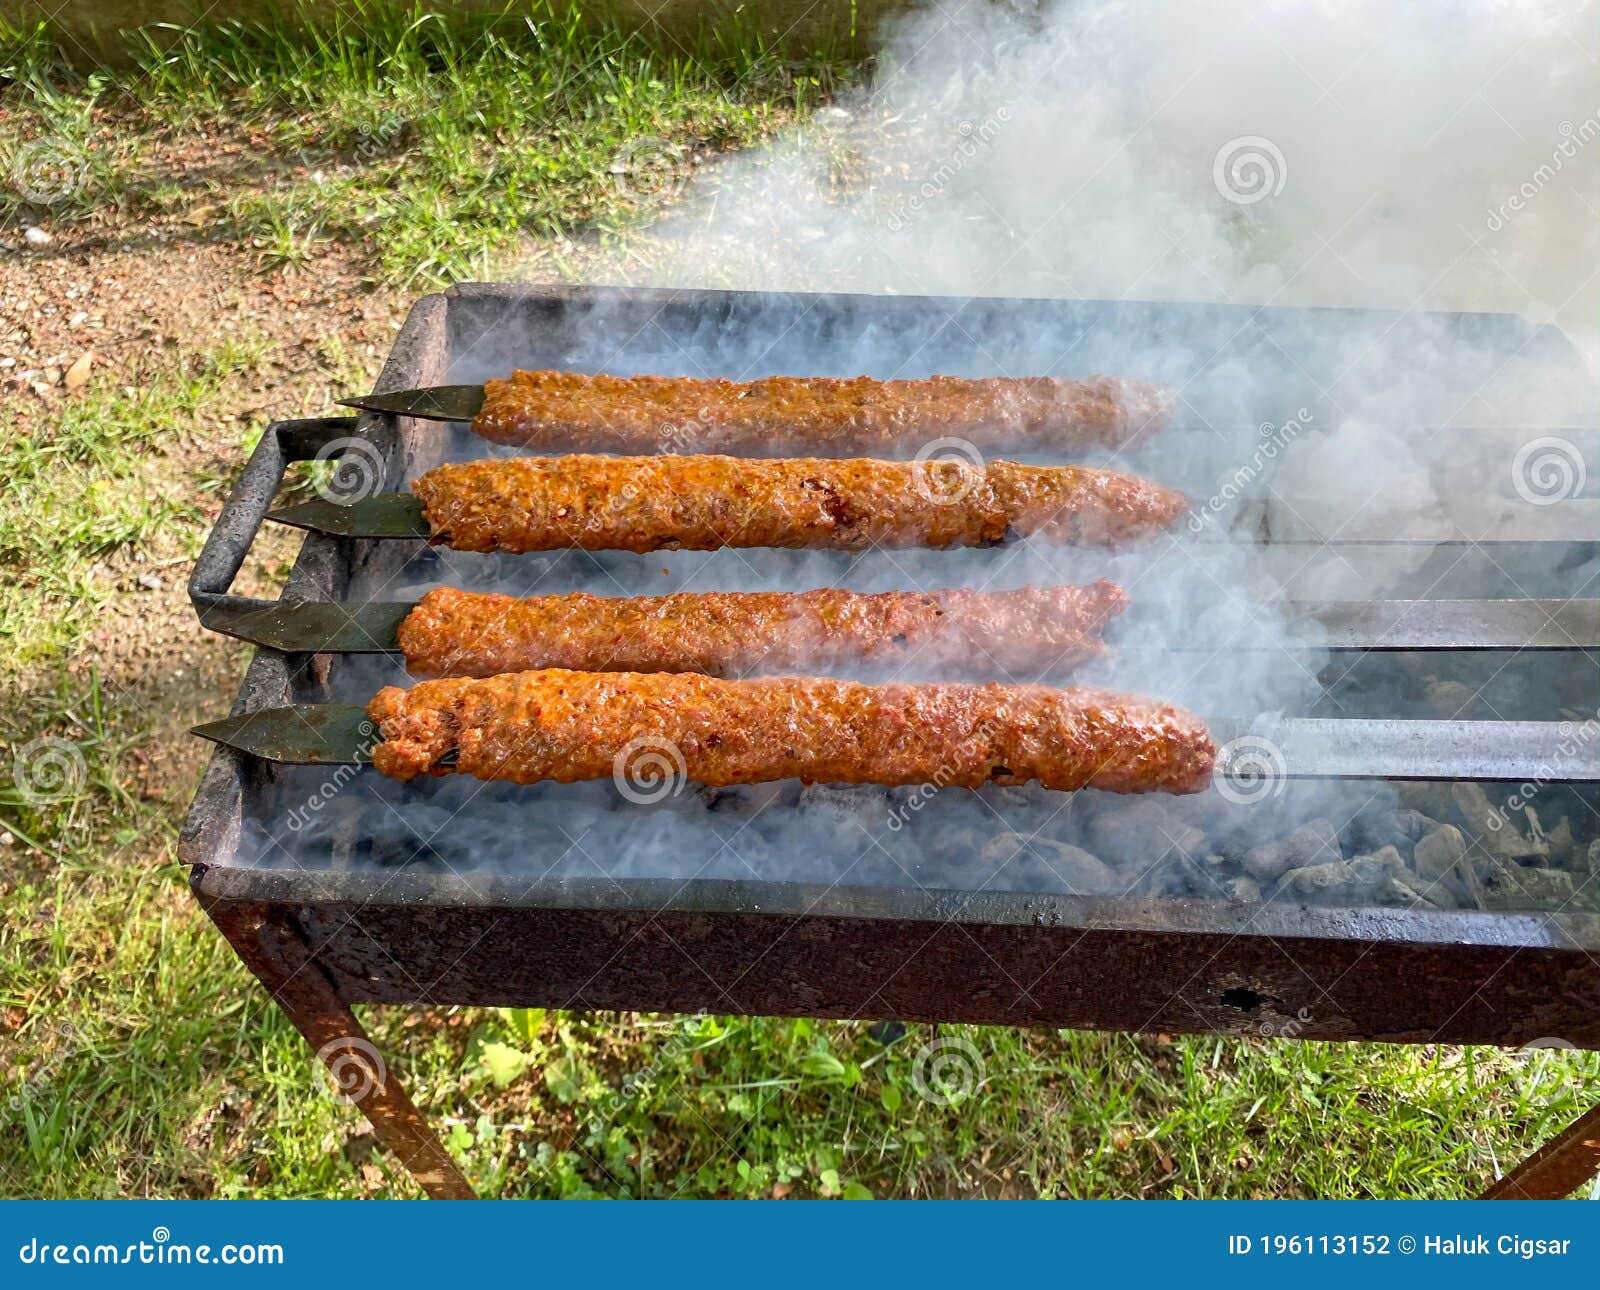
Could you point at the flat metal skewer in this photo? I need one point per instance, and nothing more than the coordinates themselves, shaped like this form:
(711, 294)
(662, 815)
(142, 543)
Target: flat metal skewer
(340, 734)
(435, 403)
(399, 515)
(335, 627)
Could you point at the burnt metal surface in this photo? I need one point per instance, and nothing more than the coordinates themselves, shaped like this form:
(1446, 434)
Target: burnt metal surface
(1012, 959)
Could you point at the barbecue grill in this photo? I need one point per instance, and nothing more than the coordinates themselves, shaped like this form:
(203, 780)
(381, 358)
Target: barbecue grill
(372, 911)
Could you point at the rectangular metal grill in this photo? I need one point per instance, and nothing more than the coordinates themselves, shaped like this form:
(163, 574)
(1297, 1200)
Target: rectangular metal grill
(428, 933)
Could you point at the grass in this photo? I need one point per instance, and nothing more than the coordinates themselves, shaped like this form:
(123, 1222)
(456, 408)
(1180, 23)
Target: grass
(90, 481)
(137, 1056)
(431, 143)
(143, 1059)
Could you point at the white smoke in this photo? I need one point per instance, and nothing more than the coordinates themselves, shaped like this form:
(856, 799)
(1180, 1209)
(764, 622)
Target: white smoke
(1358, 153)
(1437, 156)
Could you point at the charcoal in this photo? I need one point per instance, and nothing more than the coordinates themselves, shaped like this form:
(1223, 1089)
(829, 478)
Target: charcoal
(1312, 842)
(1021, 863)
(1494, 831)
(1512, 887)
(1395, 890)
(1316, 879)
(1439, 852)
(1379, 867)
(1446, 872)
(1428, 797)
(1400, 827)
(744, 801)
(419, 835)
(846, 816)
(1137, 833)
(1563, 847)
(1358, 879)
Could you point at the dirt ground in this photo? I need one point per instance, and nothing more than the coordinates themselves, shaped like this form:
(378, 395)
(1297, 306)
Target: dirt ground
(136, 303)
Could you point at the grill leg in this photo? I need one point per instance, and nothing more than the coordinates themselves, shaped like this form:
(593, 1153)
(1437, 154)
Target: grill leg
(1559, 1167)
(284, 964)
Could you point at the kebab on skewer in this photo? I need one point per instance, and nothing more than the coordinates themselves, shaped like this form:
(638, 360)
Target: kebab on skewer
(1032, 629)
(701, 503)
(554, 724)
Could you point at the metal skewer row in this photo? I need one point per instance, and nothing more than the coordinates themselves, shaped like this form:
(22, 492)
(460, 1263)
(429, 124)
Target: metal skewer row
(1511, 751)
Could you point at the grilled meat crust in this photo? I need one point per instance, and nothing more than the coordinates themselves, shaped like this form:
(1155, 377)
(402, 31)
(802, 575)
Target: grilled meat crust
(460, 633)
(699, 503)
(781, 415)
(553, 724)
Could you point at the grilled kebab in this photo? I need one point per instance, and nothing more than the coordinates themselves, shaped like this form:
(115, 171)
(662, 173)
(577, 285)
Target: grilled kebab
(779, 415)
(460, 633)
(701, 503)
(553, 724)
